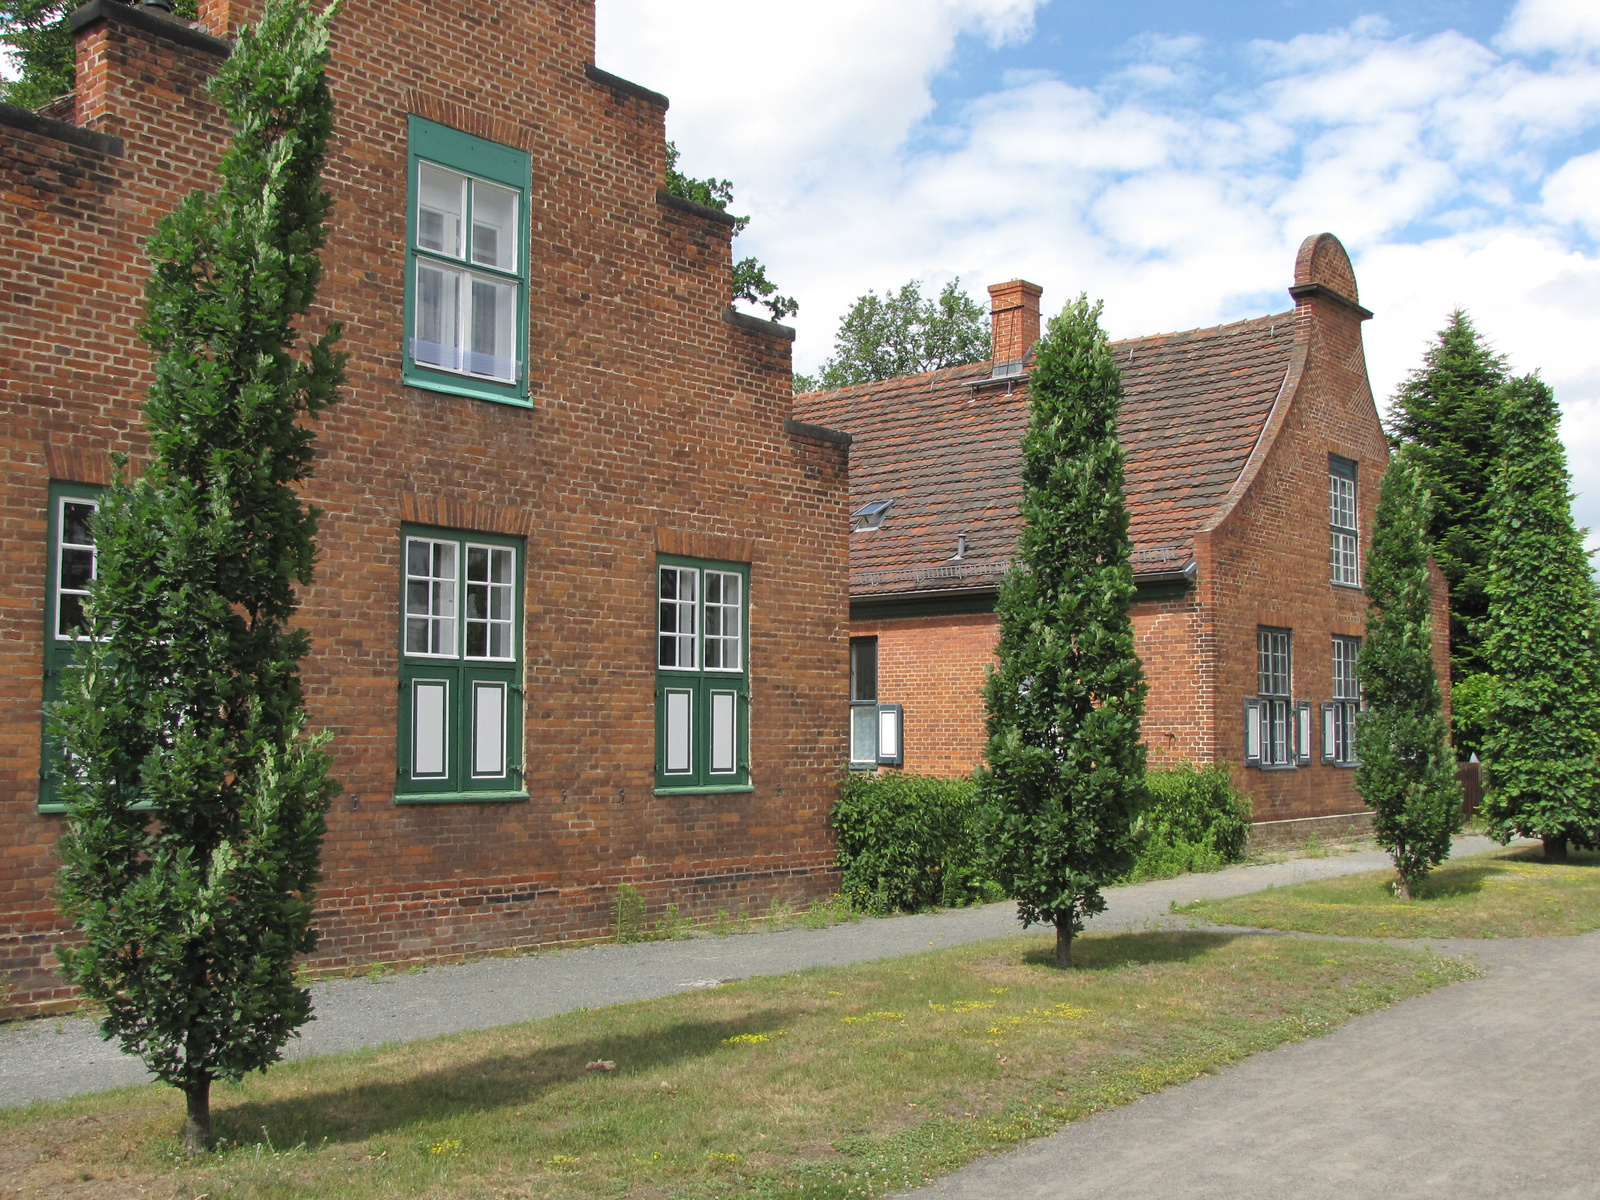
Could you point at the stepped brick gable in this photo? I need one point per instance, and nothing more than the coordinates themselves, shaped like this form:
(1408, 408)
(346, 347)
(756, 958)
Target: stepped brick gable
(1234, 437)
(618, 418)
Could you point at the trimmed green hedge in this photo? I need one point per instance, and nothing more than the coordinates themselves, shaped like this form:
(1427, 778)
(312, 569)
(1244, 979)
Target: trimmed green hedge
(1193, 820)
(908, 842)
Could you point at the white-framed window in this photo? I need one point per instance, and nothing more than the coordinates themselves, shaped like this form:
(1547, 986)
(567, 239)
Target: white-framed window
(876, 730)
(460, 734)
(466, 264)
(702, 675)
(1277, 727)
(1339, 715)
(1344, 535)
(72, 565)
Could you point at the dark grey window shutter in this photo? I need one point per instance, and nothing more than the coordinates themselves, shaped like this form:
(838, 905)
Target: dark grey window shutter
(1252, 733)
(1302, 732)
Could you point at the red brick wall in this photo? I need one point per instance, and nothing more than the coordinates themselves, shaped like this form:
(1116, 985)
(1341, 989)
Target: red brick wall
(934, 667)
(656, 424)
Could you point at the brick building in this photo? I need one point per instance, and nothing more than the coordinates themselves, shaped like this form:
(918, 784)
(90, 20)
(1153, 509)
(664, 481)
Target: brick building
(1254, 452)
(580, 614)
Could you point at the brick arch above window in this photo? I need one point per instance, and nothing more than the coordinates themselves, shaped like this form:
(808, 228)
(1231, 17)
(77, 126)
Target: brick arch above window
(465, 514)
(458, 116)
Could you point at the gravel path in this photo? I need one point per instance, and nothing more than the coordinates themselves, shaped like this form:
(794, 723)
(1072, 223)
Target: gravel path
(57, 1057)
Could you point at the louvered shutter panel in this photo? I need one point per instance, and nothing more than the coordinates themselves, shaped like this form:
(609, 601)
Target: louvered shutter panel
(1302, 732)
(1252, 733)
(1328, 712)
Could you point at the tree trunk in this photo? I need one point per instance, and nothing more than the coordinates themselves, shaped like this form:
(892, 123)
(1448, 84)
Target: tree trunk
(1402, 888)
(197, 1127)
(1555, 849)
(1064, 945)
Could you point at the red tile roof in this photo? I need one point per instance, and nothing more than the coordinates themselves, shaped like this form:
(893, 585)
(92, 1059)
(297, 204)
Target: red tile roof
(948, 453)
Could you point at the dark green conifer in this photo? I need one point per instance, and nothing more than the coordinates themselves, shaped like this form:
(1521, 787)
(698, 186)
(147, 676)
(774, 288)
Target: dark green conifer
(1544, 712)
(1445, 412)
(1407, 772)
(197, 800)
(1065, 764)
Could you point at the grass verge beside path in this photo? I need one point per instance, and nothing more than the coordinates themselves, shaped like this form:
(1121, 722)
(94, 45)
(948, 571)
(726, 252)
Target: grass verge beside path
(1504, 893)
(826, 1083)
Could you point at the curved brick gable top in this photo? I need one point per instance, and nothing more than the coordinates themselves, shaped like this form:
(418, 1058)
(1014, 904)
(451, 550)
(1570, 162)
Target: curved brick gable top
(1322, 260)
(945, 446)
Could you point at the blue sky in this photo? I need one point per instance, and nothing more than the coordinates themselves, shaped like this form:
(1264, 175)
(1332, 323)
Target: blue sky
(1165, 156)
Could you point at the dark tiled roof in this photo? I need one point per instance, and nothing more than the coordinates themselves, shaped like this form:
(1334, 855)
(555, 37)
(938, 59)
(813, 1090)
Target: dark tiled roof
(949, 454)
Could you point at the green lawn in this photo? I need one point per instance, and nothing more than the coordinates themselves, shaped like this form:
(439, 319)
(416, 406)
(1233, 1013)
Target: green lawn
(825, 1083)
(1504, 893)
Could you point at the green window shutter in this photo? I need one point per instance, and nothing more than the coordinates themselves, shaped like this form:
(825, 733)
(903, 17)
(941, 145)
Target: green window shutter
(460, 710)
(466, 291)
(702, 694)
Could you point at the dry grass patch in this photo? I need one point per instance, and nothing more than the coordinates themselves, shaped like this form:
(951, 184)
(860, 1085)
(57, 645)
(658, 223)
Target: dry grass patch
(1504, 893)
(826, 1083)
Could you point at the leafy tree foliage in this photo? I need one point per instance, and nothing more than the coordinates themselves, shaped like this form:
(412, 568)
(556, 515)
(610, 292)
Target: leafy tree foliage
(750, 282)
(904, 332)
(197, 801)
(1445, 411)
(1540, 750)
(1065, 764)
(1407, 772)
(36, 33)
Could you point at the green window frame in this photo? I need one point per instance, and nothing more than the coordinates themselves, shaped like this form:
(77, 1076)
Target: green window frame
(466, 290)
(702, 649)
(461, 664)
(70, 565)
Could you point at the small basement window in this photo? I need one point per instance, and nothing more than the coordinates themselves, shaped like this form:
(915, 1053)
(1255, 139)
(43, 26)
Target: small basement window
(870, 515)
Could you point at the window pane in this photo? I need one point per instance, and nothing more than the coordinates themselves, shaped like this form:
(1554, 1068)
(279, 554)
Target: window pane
(438, 299)
(676, 617)
(77, 568)
(488, 730)
(77, 520)
(493, 345)
(429, 703)
(441, 199)
(1272, 662)
(722, 639)
(489, 602)
(724, 732)
(676, 727)
(864, 671)
(494, 226)
(864, 733)
(430, 597)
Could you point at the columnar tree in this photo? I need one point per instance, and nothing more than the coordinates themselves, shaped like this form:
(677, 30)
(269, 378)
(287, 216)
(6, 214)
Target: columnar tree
(1445, 412)
(1407, 772)
(197, 800)
(1065, 764)
(1544, 712)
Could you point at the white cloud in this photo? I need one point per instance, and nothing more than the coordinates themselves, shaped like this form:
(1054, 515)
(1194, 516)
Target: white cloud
(1178, 187)
(1564, 26)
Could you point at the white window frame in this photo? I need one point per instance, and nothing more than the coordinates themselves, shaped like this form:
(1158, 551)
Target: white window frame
(1344, 517)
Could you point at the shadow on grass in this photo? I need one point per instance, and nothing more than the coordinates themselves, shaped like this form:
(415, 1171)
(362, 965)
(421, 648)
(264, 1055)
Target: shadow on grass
(1535, 856)
(1107, 952)
(355, 1113)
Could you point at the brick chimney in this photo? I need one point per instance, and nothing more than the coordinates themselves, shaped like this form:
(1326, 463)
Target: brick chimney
(1014, 320)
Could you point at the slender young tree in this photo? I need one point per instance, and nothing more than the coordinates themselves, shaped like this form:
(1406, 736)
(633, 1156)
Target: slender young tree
(1407, 771)
(1065, 763)
(197, 800)
(1543, 731)
(1445, 412)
